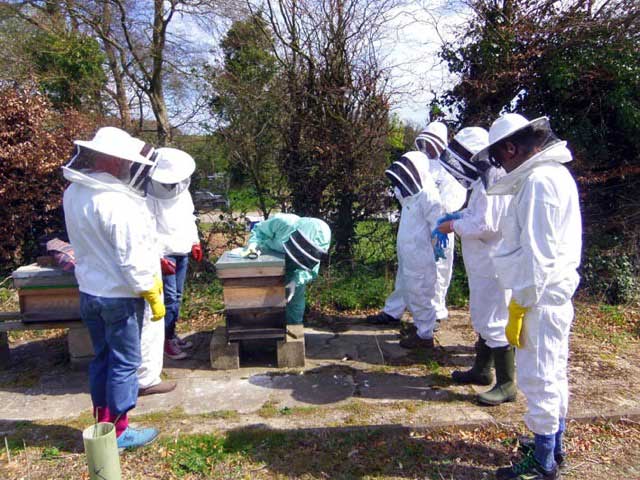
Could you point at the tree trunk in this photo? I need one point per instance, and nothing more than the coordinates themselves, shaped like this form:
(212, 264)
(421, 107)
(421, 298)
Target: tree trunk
(159, 107)
(156, 90)
(121, 99)
(344, 229)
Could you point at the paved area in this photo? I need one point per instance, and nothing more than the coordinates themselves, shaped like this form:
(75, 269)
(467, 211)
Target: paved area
(353, 370)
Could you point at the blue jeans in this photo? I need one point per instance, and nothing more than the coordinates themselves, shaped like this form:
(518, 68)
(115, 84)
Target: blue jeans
(114, 325)
(173, 286)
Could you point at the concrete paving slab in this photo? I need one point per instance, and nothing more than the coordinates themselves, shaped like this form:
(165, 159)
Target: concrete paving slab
(349, 364)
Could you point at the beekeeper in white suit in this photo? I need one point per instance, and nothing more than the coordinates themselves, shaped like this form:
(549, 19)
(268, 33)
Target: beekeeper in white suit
(117, 267)
(174, 212)
(416, 277)
(431, 141)
(478, 229)
(171, 208)
(538, 260)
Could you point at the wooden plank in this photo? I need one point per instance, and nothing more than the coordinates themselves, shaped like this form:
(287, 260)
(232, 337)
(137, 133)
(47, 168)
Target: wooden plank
(42, 317)
(250, 272)
(252, 281)
(48, 291)
(256, 334)
(255, 311)
(254, 297)
(10, 326)
(10, 316)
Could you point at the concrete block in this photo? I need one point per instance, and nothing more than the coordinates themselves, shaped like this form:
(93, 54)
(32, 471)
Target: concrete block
(295, 332)
(223, 355)
(79, 343)
(291, 350)
(5, 355)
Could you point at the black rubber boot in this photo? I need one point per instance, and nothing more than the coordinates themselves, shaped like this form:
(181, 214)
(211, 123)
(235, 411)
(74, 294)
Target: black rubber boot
(480, 373)
(505, 387)
(528, 469)
(382, 318)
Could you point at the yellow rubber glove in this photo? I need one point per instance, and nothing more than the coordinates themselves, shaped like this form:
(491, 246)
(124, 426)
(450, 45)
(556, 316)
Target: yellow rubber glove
(155, 299)
(514, 325)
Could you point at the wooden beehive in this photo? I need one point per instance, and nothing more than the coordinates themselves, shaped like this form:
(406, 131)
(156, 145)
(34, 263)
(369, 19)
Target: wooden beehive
(46, 293)
(254, 295)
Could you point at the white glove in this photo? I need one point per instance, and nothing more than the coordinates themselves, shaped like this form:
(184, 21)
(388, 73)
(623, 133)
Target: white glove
(291, 286)
(251, 251)
(397, 194)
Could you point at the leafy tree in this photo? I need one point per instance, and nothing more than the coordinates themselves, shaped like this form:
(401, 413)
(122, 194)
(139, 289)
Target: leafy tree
(68, 67)
(153, 63)
(246, 101)
(336, 108)
(577, 62)
(35, 141)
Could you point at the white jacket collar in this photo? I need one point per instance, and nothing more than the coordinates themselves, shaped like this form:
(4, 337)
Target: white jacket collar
(511, 182)
(98, 181)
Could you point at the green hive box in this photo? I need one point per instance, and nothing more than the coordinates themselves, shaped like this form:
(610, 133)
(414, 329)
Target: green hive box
(268, 264)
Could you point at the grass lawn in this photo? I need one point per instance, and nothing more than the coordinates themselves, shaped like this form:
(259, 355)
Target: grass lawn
(601, 450)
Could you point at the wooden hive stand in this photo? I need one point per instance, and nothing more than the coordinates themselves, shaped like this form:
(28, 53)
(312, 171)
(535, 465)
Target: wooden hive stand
(49, 299)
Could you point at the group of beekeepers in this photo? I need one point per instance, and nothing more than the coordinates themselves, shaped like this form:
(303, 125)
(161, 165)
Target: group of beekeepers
(130, 219)
(521, 237)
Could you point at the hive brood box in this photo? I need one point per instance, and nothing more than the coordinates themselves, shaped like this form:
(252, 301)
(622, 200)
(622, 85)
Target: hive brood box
(254, 295)
(46, 293)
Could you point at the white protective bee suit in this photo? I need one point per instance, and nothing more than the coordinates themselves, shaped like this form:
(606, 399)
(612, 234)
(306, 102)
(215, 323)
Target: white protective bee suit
(174, 224)
(120, 264)
(452, 197)
(421, 207)
(117, 265)
(479, 234)
(478, 229)
(538, 259)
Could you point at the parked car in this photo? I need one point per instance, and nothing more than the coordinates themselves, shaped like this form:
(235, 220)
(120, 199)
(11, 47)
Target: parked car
(206, 200)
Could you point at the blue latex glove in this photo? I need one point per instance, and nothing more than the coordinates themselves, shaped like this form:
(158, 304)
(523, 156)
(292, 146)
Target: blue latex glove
(449, 216)
(440, 241)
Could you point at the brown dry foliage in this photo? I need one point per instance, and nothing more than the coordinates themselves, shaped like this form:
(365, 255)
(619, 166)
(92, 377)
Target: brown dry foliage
(35, 141)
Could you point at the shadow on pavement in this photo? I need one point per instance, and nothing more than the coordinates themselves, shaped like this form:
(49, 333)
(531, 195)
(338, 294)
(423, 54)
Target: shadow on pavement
(359, 452)
(20, 433)
(41, 367)
(335, 383)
